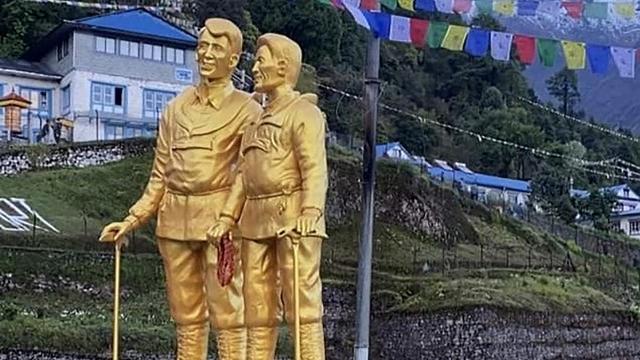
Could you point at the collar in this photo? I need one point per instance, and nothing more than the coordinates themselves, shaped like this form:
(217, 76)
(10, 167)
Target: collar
(215, 96)
(280, 103)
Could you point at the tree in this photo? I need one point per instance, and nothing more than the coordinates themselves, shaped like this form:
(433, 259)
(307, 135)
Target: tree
(551, 189)
(598, 207)
(564, 87)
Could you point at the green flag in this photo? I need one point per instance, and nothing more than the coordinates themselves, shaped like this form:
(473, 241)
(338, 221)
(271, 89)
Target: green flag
(437, 31)
(484, 6)
(547, 49)
(596, 10)
(389, 4)
(325, 2)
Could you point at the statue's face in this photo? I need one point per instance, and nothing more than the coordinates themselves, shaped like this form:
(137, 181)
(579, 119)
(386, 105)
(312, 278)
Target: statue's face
(214, 55)
(268, 72)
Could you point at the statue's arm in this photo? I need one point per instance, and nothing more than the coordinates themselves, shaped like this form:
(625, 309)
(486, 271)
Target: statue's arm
(309, 146)
(148, 204)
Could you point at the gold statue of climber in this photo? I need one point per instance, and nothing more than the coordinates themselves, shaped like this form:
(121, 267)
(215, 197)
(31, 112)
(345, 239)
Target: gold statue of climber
(278, 199)
(193, 170)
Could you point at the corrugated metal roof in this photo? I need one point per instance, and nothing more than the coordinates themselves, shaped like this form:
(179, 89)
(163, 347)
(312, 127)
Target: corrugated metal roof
(28, 67)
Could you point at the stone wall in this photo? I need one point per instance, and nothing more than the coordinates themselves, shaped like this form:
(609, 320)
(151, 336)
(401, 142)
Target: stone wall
(481, 333)
(28, 158)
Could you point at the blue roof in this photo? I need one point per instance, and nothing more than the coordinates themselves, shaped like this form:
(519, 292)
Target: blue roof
(138, 21)
(480, 179)
(615, 188)
(381, 149)
(579, 193)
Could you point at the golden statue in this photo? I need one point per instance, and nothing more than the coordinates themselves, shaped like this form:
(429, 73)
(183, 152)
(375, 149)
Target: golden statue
(278, 199)
(196, 152)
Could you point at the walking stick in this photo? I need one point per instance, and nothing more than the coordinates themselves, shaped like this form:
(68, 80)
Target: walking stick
(116, 302)
(295, 242)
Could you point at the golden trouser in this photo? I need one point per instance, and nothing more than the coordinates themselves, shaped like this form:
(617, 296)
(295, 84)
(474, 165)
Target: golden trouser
(283, 174)
(197, 147)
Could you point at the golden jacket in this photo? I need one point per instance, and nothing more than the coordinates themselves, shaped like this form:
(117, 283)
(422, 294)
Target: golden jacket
(195, 158)
(283, 169)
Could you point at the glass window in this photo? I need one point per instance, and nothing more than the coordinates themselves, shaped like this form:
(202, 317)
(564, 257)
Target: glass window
(634, 226)
(108, 98)
(66, 99)
(100, 44)
(157, 52)
(111, 46)
(170, 54)
(155, 101)
(179, 56)
(133, 49)
(124, 48)
(147, 51)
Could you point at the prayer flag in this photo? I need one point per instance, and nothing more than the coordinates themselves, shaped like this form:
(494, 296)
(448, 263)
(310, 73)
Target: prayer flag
(574, 8)
(406, 4)
(358, 16)
(379, 23)
(527, 8)
(625, 10)
(547, 50)
(625, 60)
(426, 5)
(437, 31)
(461, 6)
(504, 7)
(596, 10)
(574, 54)
(484, 6)
(501, 45)
(454, 38)
(525, 48)
(598, 58)
(400, 29)
(550, 8)
(419, 29)
(389, 4)
(477, 42)
(368, 4)
(444, 6)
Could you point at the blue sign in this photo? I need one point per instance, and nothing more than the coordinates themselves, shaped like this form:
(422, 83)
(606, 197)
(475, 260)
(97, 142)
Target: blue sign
(184, 75)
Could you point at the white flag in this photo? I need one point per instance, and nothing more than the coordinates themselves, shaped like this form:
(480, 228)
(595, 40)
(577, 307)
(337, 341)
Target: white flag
(400, 29)
(501, 45)
(354, 3)
(357, 14)
(445, 6)
(625, 59)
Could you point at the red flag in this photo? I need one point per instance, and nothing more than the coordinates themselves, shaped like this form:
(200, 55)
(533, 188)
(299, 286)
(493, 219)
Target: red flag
(574, 8)
(526, 48)
(338, 4)
(461, 6)
(368, 4)
(419, 29)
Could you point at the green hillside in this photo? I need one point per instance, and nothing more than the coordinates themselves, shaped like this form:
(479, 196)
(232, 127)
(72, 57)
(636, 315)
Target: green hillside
(415, 270)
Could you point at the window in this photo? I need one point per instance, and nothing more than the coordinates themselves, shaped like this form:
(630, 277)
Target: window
(129, 48)
(157, 52)
(147, 51)
(66, 99)
(175, 56)
(634, 226)
(155, 101)
(108, 98)
(179, 56)
(105, 45)
(40, 100)
(170, 54)
(63, 49)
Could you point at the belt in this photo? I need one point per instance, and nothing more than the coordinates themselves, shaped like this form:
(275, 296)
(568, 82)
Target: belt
(276, 194)
(173, 192)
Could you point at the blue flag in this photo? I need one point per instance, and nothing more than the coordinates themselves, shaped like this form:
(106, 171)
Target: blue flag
(425, 5)
(477, 42)
(527, 7)
(598, 56)
(379, 22)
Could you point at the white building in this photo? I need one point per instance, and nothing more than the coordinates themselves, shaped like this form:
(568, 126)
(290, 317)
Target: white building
(110, 74)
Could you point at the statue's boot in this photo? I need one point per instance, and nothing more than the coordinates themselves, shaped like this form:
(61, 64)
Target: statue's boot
(261, 344)
(312, 341)
(232, 344)
(193, 341)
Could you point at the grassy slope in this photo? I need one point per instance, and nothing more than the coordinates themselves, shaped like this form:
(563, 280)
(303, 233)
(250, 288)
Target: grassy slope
(70, 291)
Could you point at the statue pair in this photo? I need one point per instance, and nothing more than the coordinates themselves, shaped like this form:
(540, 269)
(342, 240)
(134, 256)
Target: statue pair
(223, 163)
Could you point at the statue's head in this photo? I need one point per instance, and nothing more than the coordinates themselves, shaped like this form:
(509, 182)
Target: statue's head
(219, 48)
(277, 64)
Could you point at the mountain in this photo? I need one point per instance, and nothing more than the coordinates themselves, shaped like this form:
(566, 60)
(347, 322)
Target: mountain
(607, 98)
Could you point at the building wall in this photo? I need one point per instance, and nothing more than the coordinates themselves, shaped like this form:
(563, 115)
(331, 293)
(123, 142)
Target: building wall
(64, 65)
(88, 59)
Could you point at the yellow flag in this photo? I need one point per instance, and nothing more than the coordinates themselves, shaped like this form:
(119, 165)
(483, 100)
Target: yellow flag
(504, 7)
(406, 4)
(454, 38)
(574, 54)
(626, 10)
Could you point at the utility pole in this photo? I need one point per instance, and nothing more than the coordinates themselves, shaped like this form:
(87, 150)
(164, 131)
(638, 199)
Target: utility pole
(371, 92)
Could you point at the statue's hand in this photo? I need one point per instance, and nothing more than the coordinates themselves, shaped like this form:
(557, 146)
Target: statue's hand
(219, 229)
(115, 232)
(306, 223)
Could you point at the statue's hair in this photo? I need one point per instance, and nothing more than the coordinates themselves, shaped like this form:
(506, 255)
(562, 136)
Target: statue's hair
(224, 27)
(283, 48)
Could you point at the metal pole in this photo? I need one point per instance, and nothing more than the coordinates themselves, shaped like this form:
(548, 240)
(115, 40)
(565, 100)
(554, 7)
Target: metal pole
(97, 126)
(29, 127)
(371, 91)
